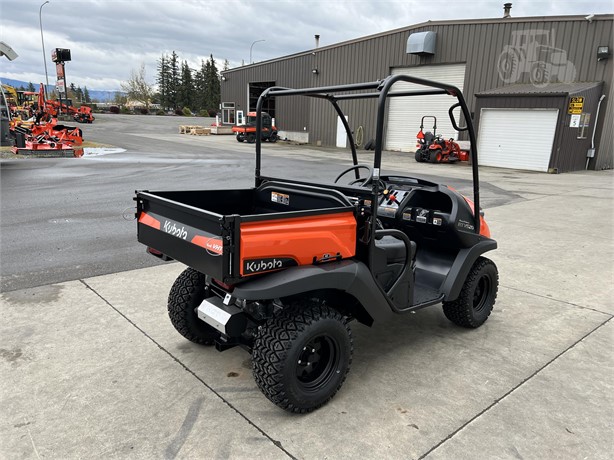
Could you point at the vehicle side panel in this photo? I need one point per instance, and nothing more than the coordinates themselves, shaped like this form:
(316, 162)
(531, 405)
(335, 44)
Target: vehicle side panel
(304, 240)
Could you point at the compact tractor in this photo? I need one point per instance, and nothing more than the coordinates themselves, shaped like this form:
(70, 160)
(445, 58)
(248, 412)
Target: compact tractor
(433, 148)
(247, 132)
(281, 269)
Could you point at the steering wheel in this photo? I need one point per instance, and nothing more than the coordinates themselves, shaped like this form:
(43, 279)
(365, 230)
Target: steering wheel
(360, 181)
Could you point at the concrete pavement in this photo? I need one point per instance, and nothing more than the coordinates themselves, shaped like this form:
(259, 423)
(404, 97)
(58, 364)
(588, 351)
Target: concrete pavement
(93, 368)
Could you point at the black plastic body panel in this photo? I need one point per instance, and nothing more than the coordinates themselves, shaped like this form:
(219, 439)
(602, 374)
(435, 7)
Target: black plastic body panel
(350, 276)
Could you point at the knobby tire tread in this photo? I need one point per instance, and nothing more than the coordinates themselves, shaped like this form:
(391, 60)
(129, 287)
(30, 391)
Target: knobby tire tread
(459, 311)
(273, 342)
(186, 294)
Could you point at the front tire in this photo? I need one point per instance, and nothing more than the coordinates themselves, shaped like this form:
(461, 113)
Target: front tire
(477, 297)
(301, 357)
(186, 295)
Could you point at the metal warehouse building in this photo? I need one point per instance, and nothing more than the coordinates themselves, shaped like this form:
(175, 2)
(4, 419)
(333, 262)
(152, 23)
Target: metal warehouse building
(539, 88)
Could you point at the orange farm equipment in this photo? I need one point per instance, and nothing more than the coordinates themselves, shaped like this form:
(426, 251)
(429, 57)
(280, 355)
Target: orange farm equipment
(247, 132)
(82, 114)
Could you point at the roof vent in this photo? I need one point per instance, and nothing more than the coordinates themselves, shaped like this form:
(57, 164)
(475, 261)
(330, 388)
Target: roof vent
(421, 43)
(507, 10)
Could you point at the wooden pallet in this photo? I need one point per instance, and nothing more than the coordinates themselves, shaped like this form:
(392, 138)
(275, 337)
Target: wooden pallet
(200, 131)
(186, 129)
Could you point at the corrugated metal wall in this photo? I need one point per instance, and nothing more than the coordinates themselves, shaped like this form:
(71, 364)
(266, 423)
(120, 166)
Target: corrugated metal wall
(568, 152)
(605, 125)
(477, 43)
(291, 112)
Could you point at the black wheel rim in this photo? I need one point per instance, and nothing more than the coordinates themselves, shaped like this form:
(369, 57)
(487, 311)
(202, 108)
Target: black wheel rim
(480, 295)
(317, 363)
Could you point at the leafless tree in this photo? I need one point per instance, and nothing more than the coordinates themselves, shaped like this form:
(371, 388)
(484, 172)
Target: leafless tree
(137, 88)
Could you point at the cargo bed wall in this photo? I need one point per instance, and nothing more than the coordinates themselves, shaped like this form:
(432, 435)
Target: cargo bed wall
(203, 228)
(185, 233)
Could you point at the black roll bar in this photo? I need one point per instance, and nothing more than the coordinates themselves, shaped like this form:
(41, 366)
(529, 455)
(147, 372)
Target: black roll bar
(382, 93)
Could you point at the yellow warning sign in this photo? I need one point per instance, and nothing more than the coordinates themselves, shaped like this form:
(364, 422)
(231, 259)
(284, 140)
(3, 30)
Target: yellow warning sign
(576, 104)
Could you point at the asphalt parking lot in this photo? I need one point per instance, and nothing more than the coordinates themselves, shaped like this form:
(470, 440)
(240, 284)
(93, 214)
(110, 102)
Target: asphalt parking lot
(90, 367)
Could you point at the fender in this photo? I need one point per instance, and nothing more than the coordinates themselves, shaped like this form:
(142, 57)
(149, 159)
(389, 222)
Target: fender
(350, 276)
(461, 267)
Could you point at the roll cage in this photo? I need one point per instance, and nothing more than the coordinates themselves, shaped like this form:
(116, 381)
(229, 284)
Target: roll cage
(380, 90)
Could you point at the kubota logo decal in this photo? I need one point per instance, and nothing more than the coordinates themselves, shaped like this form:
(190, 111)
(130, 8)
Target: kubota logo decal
(265, 265)
(174, 230)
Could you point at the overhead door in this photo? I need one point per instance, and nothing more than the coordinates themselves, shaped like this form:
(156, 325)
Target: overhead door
(518, 139)
(404, 113)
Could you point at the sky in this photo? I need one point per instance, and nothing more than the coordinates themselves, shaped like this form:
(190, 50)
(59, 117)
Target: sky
(109, 39)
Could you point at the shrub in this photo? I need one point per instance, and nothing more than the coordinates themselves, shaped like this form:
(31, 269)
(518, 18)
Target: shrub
(212, 113)
(203, 113)
(187, 112)
(114, 109)
(178, 112)
(144, 111)
(125, 110)
(160, 112)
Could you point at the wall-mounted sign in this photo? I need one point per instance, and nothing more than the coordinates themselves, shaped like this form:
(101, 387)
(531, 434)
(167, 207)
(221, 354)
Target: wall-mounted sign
(576, 104)
(575, 121)
(61, 86)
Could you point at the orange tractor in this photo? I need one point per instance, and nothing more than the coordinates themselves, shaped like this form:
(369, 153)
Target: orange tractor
(433, 148)
(82, 114)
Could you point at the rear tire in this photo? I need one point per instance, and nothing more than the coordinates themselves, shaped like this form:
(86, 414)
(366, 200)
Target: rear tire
(251, 138)
(477, 297)
(433, 154)
(240, 137)
(302, 356)
(273, 137)
(186, 295)
(419, 156)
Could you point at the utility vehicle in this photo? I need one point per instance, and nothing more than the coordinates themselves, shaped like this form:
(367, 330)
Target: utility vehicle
(247, 132)
(282, 268)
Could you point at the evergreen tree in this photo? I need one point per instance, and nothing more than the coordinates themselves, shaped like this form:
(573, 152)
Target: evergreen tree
(86, 95)
(186, 87)
(79, 94)
(212, 91)
(163, 81)
(30, 87)
(174, 80)
(72, 92)
(226, 65)
(200, 84)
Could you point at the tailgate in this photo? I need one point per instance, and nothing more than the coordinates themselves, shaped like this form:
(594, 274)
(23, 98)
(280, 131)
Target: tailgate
(198, 238)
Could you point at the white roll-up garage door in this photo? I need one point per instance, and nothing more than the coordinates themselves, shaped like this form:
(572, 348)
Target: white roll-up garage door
(404, 113)
(516, 138)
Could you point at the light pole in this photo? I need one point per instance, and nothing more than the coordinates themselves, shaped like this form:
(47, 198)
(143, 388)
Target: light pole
(40, 20)
(250, 50)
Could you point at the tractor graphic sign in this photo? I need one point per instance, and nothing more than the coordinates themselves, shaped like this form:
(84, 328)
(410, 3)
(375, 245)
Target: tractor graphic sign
(533, 52)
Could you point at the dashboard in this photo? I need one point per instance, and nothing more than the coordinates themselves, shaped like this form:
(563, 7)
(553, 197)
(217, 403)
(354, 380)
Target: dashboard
(416, 205)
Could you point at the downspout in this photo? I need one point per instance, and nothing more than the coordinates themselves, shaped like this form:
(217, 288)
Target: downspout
(595, 129)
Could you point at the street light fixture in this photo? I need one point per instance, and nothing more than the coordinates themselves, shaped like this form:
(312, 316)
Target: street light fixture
(40, 20)
(250, 50)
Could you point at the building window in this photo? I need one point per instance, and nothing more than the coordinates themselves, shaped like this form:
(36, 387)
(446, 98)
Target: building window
(255, 90)
(228, 113)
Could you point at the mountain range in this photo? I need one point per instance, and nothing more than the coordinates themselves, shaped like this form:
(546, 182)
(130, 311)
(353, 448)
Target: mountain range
(95, 95)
